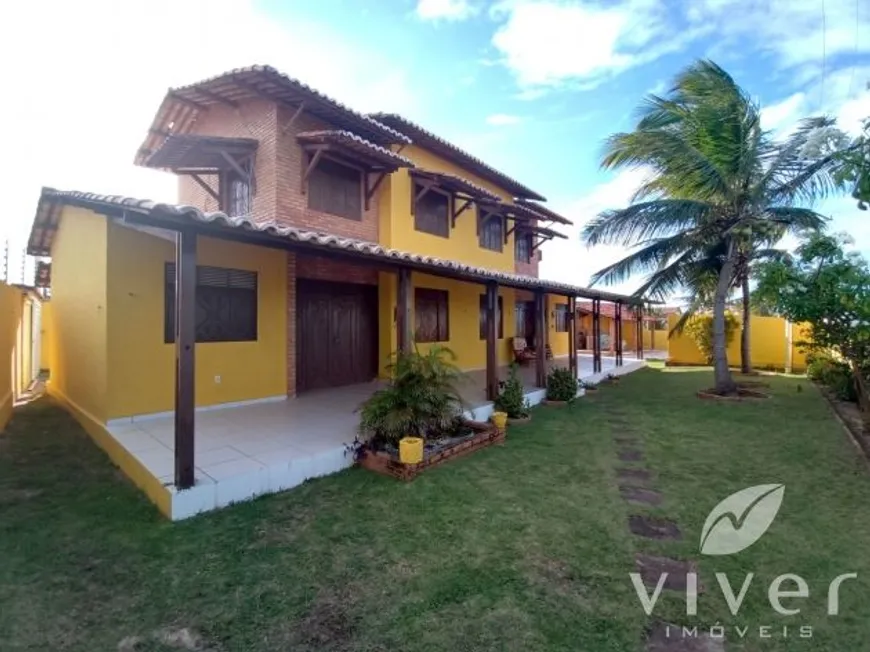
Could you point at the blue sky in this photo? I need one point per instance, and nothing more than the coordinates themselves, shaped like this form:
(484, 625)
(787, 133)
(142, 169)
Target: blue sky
(532, 86)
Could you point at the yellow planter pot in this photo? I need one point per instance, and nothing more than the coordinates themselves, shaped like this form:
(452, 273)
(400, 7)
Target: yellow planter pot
(411, 450)
(499, 419)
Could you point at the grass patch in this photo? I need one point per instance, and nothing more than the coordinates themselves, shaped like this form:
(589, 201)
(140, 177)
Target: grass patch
(518, 547)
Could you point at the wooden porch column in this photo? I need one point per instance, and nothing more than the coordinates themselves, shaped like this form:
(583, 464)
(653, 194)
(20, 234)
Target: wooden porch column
(596, 336)
(618, 307)
(638, 332)
(404, 312)
(540, 339)
(491, 340)
(572, 335)
(185, 358)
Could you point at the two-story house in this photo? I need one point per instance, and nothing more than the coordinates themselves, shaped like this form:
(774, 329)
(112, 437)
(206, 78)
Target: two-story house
(309, 243)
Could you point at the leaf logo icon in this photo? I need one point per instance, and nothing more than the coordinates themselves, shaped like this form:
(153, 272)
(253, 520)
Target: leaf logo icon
(740, 520)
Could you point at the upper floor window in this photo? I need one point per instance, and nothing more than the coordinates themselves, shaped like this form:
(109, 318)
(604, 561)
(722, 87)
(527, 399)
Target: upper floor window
(235, 193)
(499, 318)
(432, 315)
(226, 304)
(562, 318)
(432, 211)
(492, 233)
(336, 189)
(523, 247)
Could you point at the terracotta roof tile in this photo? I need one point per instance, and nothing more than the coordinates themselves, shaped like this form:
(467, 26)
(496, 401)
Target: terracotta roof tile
(427, 139)
(45, 224)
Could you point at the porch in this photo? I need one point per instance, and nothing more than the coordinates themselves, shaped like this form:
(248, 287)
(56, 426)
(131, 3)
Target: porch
(244, 451)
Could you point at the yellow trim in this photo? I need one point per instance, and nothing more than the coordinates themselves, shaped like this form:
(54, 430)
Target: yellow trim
(132, 468)
(6, 410)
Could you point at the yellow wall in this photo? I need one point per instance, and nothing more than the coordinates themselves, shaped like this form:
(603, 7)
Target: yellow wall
(397, 223)
(45, 352)
(767, 342)
(78, 340)
(558, 341)
(25, 345)
(659, 342)
(142, 365)
(464, 316)
(10, 315)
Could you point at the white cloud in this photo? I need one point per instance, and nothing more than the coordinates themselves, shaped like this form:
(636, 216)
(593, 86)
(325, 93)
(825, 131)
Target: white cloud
(502, 119)
(798, 32)
(83, 104)
(784, 114)
(570, 261)
(445, 9)
(547, 42)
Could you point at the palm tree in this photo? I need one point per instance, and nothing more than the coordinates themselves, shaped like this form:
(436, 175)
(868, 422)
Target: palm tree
(717, 184)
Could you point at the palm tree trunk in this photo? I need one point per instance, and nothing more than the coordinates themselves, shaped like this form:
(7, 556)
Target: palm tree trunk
(745, 339)
(722, 374)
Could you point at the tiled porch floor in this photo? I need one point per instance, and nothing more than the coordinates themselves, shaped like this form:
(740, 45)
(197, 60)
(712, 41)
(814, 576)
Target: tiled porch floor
(248, 450)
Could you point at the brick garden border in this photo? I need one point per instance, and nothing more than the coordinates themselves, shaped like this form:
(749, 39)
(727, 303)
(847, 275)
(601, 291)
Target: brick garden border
(385, 464)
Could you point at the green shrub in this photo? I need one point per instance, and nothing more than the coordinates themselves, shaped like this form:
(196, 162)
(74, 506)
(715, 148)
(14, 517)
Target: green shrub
(561, 385)
(834, 374)
(511, 399)
(420, 400)
(700, 329)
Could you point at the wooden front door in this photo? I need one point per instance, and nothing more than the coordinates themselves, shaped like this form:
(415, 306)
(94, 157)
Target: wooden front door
(525, 320)
(336, 334)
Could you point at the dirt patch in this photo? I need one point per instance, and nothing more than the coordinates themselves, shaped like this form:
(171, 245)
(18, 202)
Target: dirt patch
(667, 637)
(640, 496)
(654, 528)
(742, 394)
(630, 455)
(554, 576)
(652, 568)
(330, 624)
(634, 476)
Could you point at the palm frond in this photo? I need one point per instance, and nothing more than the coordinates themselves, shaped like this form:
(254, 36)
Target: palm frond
(644, 221)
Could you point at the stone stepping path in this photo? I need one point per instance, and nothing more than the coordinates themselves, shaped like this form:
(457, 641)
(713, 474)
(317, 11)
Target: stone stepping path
(637, 477)
(630, 455)
(667, 637)
(653, 527)
(640, 496)
(635, 488)
(651, 568)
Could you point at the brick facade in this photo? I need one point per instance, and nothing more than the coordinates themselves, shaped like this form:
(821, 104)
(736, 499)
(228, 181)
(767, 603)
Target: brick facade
(256, 119)
(292, 205)
(326, 269)
(528, 269)
(278, 196)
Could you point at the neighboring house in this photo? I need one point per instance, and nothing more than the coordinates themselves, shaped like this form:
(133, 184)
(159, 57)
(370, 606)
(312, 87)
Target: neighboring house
(21, 308)
(322, 241)
(609, 326)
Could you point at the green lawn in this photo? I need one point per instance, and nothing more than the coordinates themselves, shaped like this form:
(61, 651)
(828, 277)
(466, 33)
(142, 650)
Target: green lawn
(522, 547)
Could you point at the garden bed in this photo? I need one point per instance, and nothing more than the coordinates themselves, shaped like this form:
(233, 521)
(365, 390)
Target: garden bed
(387, 462)
(849, 416)
(742, 394)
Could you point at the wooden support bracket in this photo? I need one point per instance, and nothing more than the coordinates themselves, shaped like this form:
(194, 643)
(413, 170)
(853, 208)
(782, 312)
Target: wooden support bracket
(202, 184)
(293, 118)
(309, 169)
(371, 189)
(460, 211)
